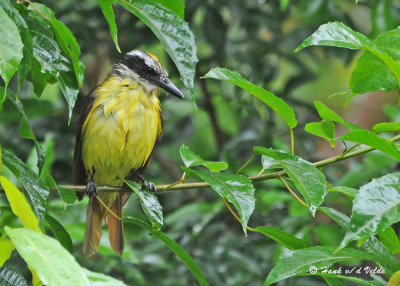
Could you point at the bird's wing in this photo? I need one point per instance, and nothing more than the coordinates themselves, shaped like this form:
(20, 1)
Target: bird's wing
(79, 172)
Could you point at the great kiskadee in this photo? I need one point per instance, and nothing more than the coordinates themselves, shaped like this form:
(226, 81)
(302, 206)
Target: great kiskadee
(118, 128)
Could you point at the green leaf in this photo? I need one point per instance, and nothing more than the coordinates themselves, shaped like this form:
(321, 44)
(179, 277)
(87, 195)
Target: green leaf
(39, 77)
(328, 114)
(237, 189)
(375, 207)
(26, 38)
(108, 12)
(191, 159)
(350, 192)
(34, 187)
(386, 127)
(371, 74)
(335, 34)
(371, 139)
(324, 129)
(301, 260)
(25, 129)
(390, 240)
(312, 185)
(10, 277)
(286, 239)
(173, 33)
(176, 6)
(372, 245)
(19, 205)
(60, 233)
(99, 279)
(149, 202)
(267, 97)
(53, 264)
(65, 39)
(47, 53)
(11, 50)
(382, 17)
(175, 247)
(7, 248)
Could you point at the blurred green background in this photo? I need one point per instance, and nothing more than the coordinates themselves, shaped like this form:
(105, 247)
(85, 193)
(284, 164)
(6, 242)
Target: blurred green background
(257, 39)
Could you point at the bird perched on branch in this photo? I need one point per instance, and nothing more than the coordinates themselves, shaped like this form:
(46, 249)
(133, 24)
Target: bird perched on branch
(118, 128)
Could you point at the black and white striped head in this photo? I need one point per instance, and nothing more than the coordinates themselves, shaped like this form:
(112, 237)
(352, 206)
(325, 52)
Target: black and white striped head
(147, 70)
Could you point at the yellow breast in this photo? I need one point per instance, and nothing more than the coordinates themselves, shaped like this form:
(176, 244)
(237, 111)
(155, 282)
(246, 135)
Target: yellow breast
(120, 131)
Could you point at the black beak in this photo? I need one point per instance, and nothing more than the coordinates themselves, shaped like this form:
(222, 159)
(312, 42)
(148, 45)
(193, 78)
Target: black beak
(168, 86)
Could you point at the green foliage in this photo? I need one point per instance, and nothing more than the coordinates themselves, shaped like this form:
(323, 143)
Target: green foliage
(149, 202)
(267, 97)
(189, 158)
(312, 185)
(51, 46)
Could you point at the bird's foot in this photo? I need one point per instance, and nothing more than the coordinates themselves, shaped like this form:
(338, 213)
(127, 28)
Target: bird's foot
(149, 185)
(92, 189)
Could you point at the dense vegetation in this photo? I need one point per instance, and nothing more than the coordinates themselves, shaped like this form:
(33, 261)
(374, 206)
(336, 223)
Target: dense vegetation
(284, 152)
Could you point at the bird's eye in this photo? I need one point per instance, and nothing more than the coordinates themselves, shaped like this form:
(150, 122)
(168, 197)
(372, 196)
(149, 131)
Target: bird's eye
(150, 70)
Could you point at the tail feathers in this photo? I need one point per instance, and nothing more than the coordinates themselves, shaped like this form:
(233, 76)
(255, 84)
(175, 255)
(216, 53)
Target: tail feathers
(116, 226)
(92, 236)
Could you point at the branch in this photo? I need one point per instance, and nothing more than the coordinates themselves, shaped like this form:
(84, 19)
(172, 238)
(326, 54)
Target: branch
(201, 185)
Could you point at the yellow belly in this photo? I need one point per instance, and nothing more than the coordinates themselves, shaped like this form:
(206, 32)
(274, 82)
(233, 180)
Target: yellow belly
(120, 132)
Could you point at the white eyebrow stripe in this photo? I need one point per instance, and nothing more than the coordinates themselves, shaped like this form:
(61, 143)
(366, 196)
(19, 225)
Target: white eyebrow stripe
(148, 60)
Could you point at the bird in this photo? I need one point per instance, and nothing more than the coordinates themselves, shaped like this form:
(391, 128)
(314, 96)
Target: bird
(118, 128)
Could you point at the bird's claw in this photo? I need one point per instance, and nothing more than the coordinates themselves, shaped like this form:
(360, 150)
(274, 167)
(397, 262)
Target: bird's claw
(92, 189)
(150, 186)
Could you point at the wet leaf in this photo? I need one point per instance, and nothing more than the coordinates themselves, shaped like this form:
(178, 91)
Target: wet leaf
(237, 189)
(286, 239)
(375, 207)
(25, 130)
(270, 99)
(324, 129)
(60, 233)
(389, 238)
(328, 114)
(19, 205)
(372, 245)
(300, 261)
(371, 74)
(191, 159)
(309, 181)
(108, 12)
(173, 33)
(149, 202)
(371, 139)
(34, 187)
(335, 34)
(48, 54)
(386, 127)
(11, 50)
(26, 38)
(53, 264)
(7, 248)
(99, 279)
(65, 39)
(176, 6)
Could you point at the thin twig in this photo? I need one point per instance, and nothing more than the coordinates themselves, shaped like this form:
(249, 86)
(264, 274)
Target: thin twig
(107, 208)
(292, 192)
(246, 164)
(200, 185)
